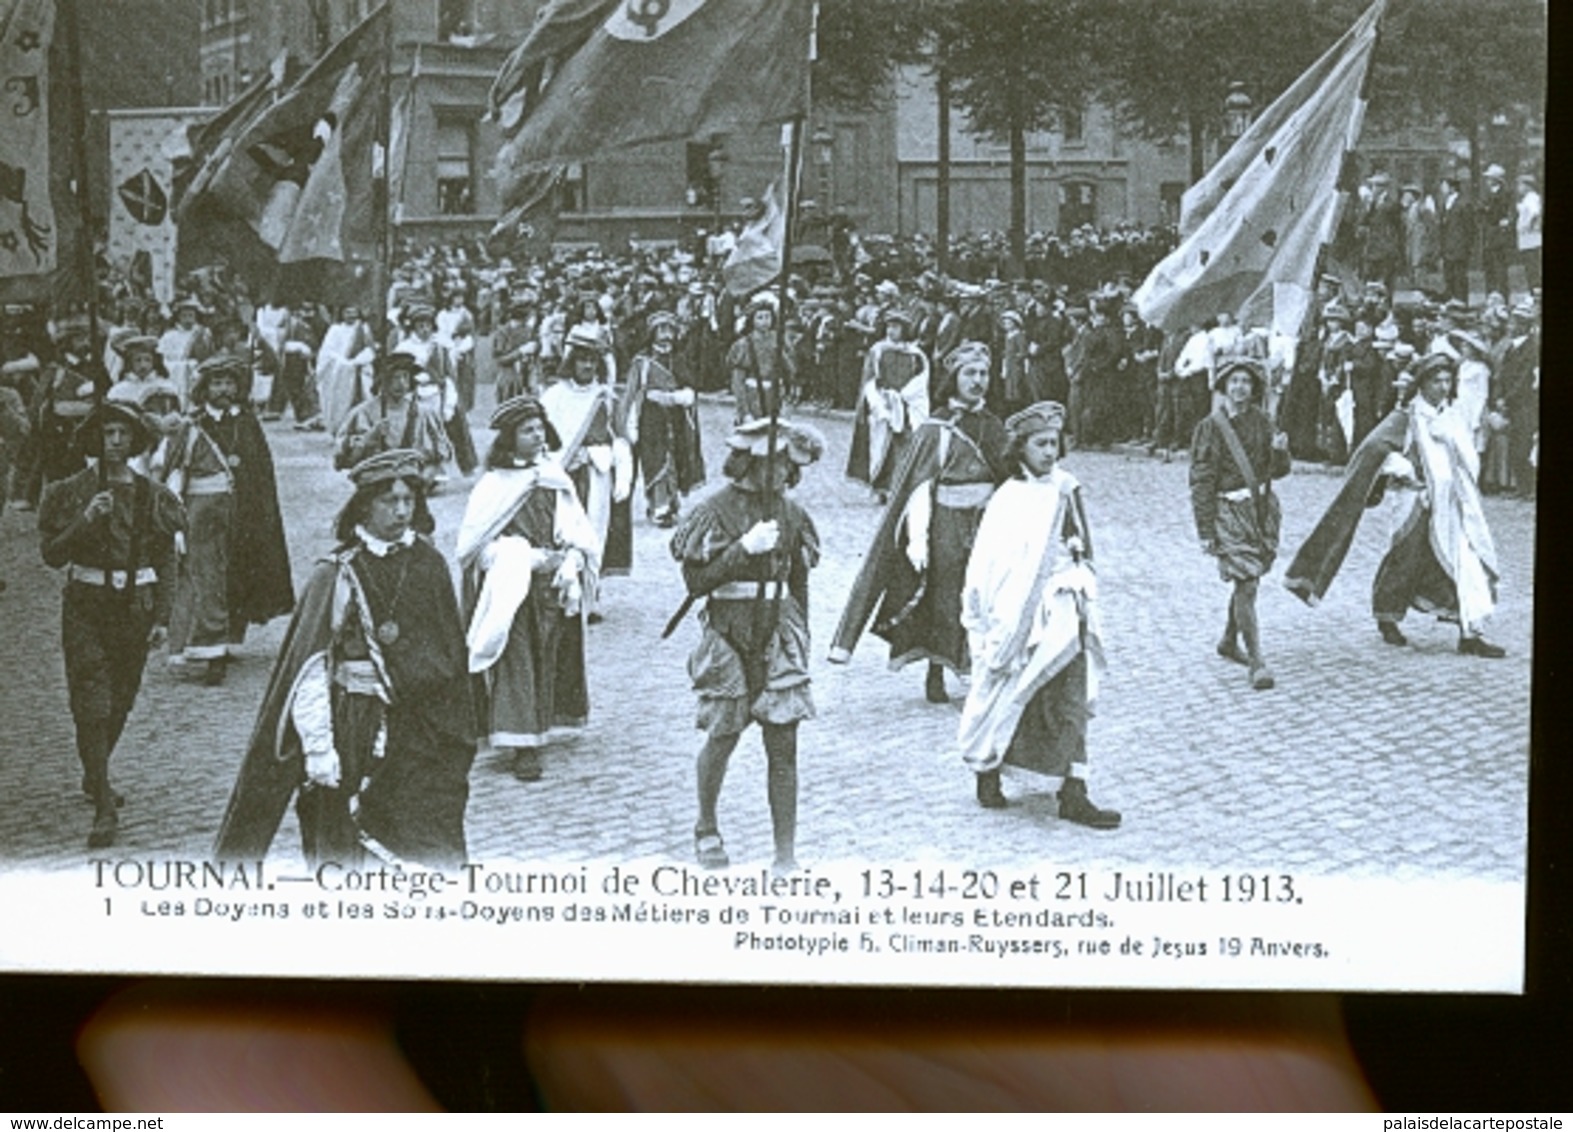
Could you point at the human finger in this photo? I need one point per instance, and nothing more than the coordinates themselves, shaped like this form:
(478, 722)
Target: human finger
(862, 1050)
(166, 1046)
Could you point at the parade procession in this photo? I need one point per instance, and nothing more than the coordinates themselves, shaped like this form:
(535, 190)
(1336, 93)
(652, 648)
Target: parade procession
(595, 431)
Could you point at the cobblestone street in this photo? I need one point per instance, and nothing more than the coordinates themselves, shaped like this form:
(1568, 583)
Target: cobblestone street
(1366, 759)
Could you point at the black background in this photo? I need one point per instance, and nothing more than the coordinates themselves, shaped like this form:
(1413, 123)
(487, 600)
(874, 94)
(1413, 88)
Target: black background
(1420, 1052)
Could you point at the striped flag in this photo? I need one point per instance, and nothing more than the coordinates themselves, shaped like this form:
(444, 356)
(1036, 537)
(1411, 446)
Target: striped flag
(652, 70)
(1254, 226)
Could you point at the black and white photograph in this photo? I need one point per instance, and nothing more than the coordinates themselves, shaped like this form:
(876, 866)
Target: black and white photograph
(952, 493)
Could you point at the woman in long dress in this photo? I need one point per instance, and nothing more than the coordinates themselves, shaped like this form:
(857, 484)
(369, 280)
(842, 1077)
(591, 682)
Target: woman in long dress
(1030, 608)
(344, 367)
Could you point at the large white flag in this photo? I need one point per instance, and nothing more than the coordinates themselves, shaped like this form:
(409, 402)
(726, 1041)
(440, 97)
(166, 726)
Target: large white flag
(1253, 227)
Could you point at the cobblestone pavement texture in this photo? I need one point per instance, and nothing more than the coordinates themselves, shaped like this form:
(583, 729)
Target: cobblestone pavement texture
(1365, 760)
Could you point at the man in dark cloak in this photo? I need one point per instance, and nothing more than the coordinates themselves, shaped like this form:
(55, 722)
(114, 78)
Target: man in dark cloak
(235, 566)
(910, 583)
(661, 421)
(368, 718)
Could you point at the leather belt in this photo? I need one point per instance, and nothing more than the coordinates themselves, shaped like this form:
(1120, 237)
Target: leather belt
(746, 591)
(219, 484)
(963, 496)
(114, 579)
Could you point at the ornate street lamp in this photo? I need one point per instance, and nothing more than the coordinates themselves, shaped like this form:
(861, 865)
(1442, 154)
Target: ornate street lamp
(1237, 107)
(823, 144)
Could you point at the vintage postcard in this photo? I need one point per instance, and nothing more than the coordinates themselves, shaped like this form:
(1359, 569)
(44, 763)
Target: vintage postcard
(754, 491)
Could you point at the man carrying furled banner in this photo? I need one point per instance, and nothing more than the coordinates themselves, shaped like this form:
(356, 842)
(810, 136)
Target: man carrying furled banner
(1254, 226)
(648, 72)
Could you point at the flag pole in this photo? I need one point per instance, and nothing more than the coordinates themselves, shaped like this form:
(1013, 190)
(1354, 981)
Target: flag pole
(773, 495)
(382, 280)
(79, 187)
(794, 162)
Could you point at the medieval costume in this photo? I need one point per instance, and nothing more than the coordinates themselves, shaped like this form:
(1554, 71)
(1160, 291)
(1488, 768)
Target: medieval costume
(234, 570)
(1235, 456)
(895, 400)
(515, 351)
(456, 333)
(184, 345)
(436, 384)
(295, 385)
(583, 411)
(1030, 608)
(1441, 558)
(62, 401)
(112, 530)
(661, 421)
(344, 367)
(761, 371)
(747, 550)
(368, 715)
(530, 557)
(910, 582)
(393, 417)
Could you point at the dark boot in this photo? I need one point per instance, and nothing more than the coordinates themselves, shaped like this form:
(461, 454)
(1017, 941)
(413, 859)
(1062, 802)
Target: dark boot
(1391, 633)
(1076, 807)
(1479, 646)
(527, 764)
(990, 796)
(934, 686)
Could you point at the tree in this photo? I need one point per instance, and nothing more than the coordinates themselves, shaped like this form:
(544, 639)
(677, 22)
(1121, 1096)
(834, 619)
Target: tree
(1015, 66)
(1167, 67)
(861, 43)
(1463, 61)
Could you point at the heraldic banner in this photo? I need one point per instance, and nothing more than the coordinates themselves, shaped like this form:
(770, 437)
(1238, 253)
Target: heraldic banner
(143, 145)
(27, 216)
(653, 70)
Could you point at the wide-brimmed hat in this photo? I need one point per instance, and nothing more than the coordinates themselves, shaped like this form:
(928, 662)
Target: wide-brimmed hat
(211, 367)
(385, 467)
(1011, 316)
(1433, 364)
(139, 393)
(1035, 418)
(418, 310)
(1470, 339)
(966, 354)
(804, 444)
(525, 407)
(72, 324)
(580, 338)
(896, 314)
(763, 300)
(1494, 172)
(394, 361)
(135, 344)
(1335, 310)
(1229, 366)
(188, 303)
(89, 433)
(660, 318)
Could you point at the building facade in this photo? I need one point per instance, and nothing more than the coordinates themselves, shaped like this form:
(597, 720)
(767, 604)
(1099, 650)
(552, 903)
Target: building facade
(1085, 172)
